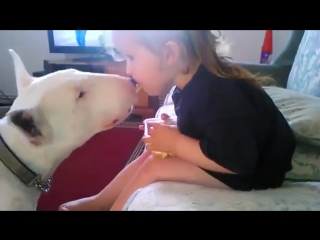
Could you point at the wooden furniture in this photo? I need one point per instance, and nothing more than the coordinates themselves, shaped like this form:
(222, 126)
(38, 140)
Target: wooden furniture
(145, 105)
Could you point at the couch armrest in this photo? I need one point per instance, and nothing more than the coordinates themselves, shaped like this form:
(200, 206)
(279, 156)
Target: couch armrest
(278, 73)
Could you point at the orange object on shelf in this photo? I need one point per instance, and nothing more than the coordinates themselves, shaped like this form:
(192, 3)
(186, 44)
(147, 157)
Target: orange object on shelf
(267, 48)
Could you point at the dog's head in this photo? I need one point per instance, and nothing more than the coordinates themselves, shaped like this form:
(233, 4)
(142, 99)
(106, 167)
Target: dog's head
(68, 105)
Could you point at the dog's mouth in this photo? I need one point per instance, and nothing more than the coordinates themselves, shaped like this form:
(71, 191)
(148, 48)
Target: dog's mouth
(136, 85)
(117, 121)
(134, 82)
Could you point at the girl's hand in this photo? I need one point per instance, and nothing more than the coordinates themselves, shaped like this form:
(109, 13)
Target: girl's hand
(162, 137)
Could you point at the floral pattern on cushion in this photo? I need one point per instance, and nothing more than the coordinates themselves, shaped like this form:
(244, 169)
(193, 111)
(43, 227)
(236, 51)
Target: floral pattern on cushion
(306, 164)
(302, 111)
(304, 76)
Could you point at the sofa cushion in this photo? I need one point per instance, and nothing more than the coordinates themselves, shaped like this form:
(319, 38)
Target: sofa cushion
(305, 72)
(302, 112)
(306, 164)
(166, 196)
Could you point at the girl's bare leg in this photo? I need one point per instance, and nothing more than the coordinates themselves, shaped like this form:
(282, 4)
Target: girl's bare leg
(106, 198)
(167, 169)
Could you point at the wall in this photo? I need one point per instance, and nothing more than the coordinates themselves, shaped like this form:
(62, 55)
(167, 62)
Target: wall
(32, 46)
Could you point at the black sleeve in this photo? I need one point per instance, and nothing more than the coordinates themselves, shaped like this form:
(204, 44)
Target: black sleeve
(231, 143)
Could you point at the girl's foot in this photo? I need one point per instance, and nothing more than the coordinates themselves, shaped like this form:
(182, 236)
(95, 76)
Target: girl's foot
(83, 204)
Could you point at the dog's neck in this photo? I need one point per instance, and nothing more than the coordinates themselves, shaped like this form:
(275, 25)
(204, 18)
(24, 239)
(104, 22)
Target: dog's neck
(39, 159)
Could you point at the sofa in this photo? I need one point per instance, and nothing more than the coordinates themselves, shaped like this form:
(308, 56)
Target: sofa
(297, 95)
(3, 111)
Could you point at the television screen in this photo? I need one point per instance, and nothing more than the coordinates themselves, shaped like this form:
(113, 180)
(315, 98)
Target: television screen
(78, 38)
(79, 41)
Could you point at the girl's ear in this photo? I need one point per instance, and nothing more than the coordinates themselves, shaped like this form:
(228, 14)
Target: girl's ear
(171, 53)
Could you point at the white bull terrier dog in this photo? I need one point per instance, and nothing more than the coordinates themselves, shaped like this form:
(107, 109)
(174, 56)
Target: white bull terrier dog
(52, 116)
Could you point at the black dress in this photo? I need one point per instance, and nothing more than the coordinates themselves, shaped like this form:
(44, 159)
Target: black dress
(239, 127)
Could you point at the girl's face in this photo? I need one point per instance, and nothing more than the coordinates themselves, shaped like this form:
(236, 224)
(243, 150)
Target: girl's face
(145, 67)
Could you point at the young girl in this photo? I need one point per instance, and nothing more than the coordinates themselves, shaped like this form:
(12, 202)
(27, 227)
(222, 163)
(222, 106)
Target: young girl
(229, 132)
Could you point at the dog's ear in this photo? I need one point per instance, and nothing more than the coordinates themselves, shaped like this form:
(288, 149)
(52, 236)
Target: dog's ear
(32, 124)
(23, 78)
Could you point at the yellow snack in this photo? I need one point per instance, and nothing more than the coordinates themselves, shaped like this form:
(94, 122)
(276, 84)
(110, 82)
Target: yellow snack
(161, 154)
(138, 88)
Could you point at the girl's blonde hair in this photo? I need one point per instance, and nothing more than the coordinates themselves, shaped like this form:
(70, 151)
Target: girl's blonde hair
(199, 46)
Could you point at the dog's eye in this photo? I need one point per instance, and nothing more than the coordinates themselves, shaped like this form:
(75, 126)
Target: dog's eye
(81, 94)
